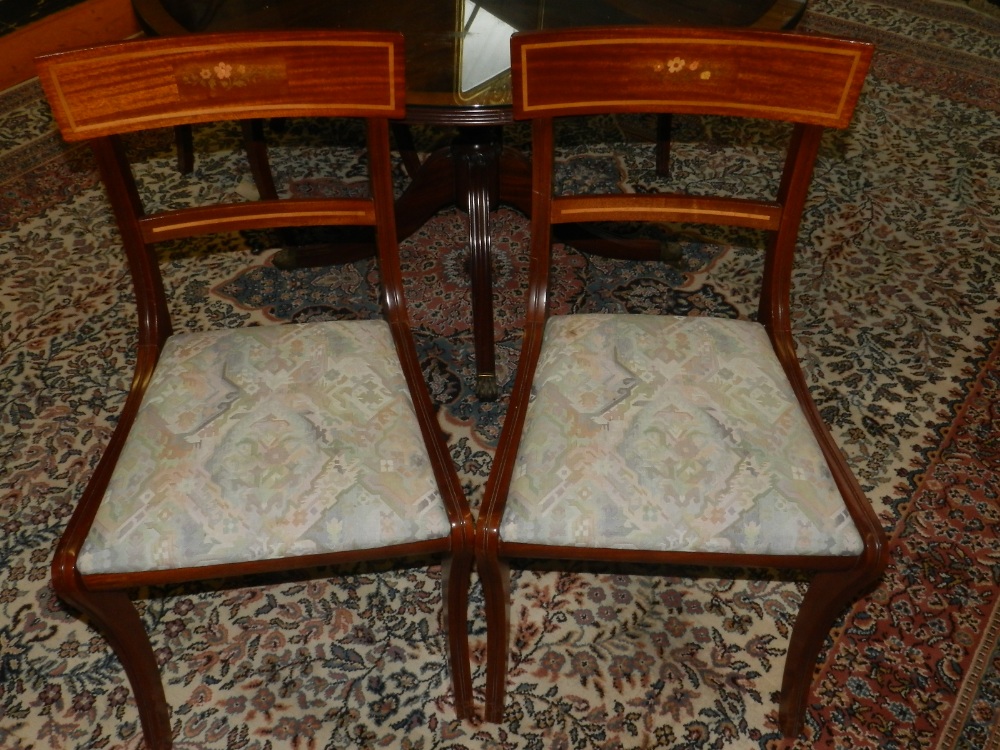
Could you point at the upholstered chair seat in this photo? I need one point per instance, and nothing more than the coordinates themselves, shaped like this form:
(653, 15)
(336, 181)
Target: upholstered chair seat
(268, 442)
(676, 434)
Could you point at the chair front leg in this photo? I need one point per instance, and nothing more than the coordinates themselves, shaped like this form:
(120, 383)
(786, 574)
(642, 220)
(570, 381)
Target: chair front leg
(828, 596)
(115, 615)
(456, 573)
(495, 577)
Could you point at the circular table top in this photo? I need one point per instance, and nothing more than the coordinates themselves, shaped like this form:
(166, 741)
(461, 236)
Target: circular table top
(457, 51)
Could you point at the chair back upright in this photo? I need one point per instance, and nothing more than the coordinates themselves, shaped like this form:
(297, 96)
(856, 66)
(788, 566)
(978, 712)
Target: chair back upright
(98, 96)
(812, 82)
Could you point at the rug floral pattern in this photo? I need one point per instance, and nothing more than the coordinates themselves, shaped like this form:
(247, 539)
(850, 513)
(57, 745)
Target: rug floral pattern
(897, 323)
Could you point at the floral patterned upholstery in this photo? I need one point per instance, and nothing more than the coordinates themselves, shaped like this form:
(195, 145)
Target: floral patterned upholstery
(670, 434)
(265, 442)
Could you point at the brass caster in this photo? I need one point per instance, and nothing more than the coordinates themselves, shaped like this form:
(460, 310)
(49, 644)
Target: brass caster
(486, 386)
(671, 253)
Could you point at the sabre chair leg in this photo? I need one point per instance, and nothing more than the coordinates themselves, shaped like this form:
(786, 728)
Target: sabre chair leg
(495, 577)
(115, 615)
(828, 596)
(456, 572)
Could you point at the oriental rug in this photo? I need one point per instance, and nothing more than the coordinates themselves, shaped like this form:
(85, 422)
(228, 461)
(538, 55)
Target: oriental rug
(897, 292)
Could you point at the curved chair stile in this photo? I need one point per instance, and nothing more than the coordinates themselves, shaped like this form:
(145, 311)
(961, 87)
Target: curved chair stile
(99, 94)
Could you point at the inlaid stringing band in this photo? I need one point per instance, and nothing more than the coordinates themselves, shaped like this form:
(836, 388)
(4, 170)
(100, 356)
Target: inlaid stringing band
(854, 55)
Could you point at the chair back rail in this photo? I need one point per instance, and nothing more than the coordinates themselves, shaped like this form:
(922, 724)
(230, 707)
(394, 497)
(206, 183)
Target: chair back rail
(206, 78)
(772, 75)
(100, 94)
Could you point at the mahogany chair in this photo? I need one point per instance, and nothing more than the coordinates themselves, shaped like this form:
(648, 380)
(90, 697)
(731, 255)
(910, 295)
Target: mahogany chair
(667, 439)
(260, 449)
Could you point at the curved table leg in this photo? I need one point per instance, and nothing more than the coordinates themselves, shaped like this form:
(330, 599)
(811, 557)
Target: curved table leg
(407, 150)
(431, 189)
(664, 124)
(586, 240)
(260, 165)
(184, 138)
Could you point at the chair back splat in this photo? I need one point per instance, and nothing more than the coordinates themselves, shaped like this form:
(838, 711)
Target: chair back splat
(667, 439)
(250, 450)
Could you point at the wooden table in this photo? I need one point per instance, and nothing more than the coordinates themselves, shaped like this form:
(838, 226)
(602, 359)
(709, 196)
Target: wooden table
(458, 74)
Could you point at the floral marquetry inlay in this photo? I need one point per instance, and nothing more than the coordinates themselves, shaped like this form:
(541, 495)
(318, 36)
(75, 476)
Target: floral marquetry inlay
(678, 65)
(225, 75)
